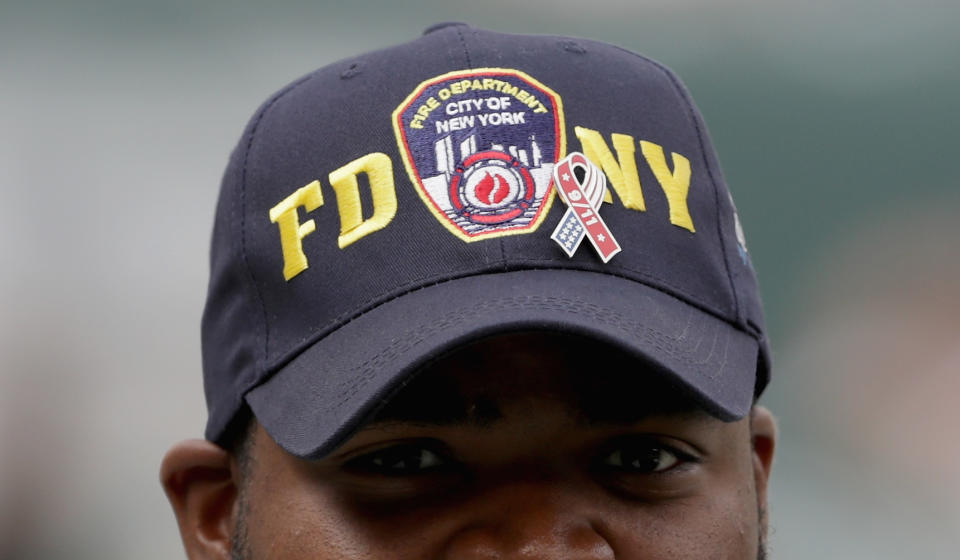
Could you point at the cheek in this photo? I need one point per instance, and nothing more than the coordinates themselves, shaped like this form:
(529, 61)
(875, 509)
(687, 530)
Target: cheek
(291, 521)
(720, 522)
(721, 526)
(294, 528)
(318, 526)
(315, 523)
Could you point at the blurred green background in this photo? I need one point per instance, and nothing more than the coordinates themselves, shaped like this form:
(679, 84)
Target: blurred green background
(836, 123)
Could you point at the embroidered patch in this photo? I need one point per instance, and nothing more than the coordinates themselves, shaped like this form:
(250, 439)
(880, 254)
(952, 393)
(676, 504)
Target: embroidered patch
(480, 146)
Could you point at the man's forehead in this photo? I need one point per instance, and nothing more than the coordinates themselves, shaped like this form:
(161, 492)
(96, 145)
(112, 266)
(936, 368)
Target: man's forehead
(597, 382)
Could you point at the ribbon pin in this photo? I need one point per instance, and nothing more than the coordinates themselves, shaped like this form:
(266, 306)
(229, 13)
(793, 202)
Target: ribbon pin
(582, 186)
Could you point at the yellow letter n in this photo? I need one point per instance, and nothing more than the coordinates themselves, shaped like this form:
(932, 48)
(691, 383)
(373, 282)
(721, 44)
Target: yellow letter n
(292, 231)
(623, 175)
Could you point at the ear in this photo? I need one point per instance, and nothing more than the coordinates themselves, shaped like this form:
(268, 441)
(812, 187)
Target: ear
(763, 430)
(201, 481)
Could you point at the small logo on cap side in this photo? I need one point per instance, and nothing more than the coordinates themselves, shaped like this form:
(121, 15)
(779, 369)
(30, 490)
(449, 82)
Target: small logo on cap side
(480, 147)
(738, 231)
(582, 186)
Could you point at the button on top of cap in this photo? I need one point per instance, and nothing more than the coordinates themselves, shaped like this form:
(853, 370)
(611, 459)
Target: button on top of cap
(443, 24)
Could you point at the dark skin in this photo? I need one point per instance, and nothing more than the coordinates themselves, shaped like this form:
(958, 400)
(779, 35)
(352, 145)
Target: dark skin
(586, 455)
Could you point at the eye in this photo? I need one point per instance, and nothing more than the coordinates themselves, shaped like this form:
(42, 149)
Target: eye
(404, 459)
(643, 456)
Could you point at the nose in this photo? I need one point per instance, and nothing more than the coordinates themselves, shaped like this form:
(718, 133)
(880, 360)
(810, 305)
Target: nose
(530, 521)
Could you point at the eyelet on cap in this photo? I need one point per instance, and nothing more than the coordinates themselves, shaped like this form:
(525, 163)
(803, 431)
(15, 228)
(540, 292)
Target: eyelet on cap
(351, 71)
(441, 25)
(572, 46)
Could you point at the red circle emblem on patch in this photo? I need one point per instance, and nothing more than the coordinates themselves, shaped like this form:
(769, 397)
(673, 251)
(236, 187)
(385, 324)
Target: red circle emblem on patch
(491, 188)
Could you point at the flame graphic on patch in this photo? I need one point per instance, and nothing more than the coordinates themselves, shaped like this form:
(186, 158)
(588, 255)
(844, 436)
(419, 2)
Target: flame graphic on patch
(491, 190)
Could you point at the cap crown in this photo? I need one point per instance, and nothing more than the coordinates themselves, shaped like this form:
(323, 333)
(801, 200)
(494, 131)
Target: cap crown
(334, 202)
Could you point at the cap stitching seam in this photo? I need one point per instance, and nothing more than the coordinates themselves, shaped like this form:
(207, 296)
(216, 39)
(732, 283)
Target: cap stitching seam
(340, 322)
(243, 206)
(696, 125)
(466, 53)
(662, 342)
(463, 43)
(716, 193)
(603, 314)
(422, 283)
(665, 287)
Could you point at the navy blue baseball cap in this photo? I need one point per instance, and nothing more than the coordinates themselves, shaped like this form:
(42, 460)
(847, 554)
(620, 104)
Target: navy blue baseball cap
(386, 209)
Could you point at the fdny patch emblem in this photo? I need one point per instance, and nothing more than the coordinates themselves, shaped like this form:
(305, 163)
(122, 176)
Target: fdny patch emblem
(480, 147)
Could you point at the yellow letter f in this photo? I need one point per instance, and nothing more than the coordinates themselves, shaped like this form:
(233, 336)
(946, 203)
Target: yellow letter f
(292, 231)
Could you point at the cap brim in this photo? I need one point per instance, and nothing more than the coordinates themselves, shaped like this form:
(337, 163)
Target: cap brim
(314, 402)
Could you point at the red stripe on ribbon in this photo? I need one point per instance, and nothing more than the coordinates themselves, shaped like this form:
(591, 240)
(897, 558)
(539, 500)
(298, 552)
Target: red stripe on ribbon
(574, 195)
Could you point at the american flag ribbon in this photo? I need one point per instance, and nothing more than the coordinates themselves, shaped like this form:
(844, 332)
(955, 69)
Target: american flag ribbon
(583, 193)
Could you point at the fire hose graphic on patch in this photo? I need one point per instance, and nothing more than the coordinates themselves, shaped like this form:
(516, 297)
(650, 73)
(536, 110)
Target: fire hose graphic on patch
(480, 147)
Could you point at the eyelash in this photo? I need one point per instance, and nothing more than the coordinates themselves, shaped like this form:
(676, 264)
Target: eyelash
(394, 460)
(652, 447)
(382, 461)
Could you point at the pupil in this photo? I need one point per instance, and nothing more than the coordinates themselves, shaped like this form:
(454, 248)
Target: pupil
(405, 459)
(645, 459)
